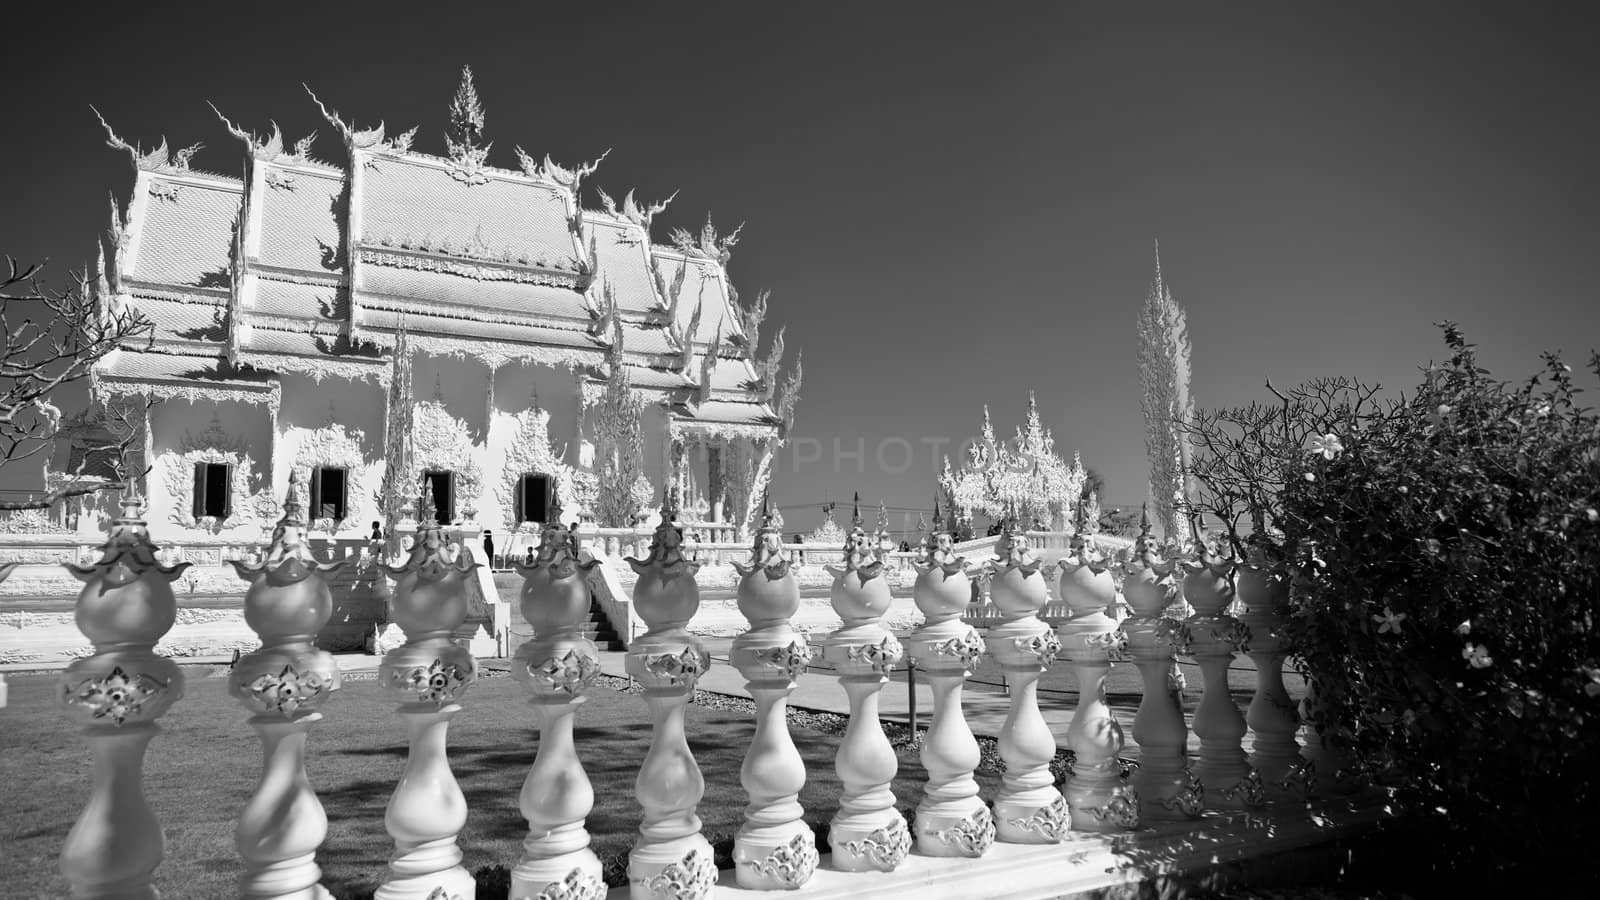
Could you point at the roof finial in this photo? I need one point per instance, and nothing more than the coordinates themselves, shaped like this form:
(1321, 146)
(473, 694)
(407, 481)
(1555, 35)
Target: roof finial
(466, 113)
(855, 511)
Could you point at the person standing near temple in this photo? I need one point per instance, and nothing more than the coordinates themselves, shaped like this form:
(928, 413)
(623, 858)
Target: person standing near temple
(488, 548)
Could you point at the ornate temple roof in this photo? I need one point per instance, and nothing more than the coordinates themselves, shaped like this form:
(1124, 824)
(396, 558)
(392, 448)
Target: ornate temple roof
(302, 265)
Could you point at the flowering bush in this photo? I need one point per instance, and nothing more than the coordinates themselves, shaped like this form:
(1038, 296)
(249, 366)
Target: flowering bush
(1446, 566)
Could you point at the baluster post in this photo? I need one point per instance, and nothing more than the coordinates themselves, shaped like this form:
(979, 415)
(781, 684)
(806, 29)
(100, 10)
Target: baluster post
(283, 685)
(427, 675)
(1263, 588)
(557, 665)
(1029, 809)
(774, 848)
(1167, 789)
(952, 820)
(672, 859)
(1095, 793)
(867, 833)
(125, 606)
(1214, 637)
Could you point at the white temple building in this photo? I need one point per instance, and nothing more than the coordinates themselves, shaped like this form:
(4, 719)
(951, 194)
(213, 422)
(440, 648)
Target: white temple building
(279, 299)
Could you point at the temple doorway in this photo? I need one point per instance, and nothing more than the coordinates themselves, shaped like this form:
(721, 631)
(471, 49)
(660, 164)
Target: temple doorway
(442, 485)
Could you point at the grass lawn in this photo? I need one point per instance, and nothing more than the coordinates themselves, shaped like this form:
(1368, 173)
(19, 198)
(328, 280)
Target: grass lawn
(202, 768)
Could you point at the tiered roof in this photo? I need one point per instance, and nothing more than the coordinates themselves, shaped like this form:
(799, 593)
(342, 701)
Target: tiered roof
(307, 266)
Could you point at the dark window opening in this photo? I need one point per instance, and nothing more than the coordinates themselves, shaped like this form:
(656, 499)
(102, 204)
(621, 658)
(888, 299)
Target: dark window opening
(328, 493)
(213, 495)
(533, 499)
(442, 485)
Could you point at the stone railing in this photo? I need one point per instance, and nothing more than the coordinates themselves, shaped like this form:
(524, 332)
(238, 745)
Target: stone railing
(1028, 839)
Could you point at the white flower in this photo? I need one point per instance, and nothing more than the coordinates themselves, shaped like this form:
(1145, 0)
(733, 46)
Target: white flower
(1464, 627)
(1328, 445)
(1389, 621)
(1477, 656)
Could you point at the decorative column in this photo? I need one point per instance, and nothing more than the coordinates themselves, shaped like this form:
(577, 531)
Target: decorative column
(284, 685)
(1264, 589)
(1214, 636)
(1029, 809)
(868, 833)
(1167, 789)
(427, 674)
(774, 849)
(556, 665)
(672, 860)
(124, 608)
(952, 820)
(1095, 792)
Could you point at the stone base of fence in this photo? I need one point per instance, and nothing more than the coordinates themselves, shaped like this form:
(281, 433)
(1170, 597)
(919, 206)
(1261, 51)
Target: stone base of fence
(1092, 862)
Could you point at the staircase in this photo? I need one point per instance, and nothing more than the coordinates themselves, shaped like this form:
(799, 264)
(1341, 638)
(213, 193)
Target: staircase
(596, 628)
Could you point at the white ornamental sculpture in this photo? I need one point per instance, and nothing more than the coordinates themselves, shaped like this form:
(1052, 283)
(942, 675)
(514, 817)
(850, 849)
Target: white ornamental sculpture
(1029, 809)
(284, 685)
(557, 665)
(672, 860)
(1099, 800)
(775, 848)
(1264, 590)
(1167, 789)
(952, 820)
(868, 833)
(1214, 637)
(124, 608)
(427, 675)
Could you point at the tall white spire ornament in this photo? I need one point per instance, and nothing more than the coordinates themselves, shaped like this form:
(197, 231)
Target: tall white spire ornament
(775, 848)
(557, 665)
(427, 675)
(284, 685)
(1029, 809)
(952, 820)
(868, 833)
(672, 859)
(1164, 381)
(125, 607)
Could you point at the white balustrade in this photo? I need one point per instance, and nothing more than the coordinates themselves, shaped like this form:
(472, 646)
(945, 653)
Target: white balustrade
(427, 675)
(124, 608)
(557, 665)
(1095, 793)
(952, 820)
(774, 848)
(1167, 789)
(283, 685)
(1214, 637)
(1264, 592)
(1029, 809)
(867, 833)
(672, 859)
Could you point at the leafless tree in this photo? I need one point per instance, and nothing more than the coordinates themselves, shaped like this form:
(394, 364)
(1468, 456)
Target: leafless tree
(52, 338)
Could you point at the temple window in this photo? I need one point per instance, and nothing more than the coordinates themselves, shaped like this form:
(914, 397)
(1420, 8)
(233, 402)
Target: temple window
(329, 493)
(213, 494)
(442, 484)
(533, 498)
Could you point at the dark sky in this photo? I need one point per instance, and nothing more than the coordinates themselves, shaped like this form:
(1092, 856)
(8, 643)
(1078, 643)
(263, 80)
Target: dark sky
(951, 208)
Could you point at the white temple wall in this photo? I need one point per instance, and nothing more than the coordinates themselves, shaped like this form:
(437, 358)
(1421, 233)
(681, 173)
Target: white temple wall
(337, 423)
(524, 442)
(230, 433)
